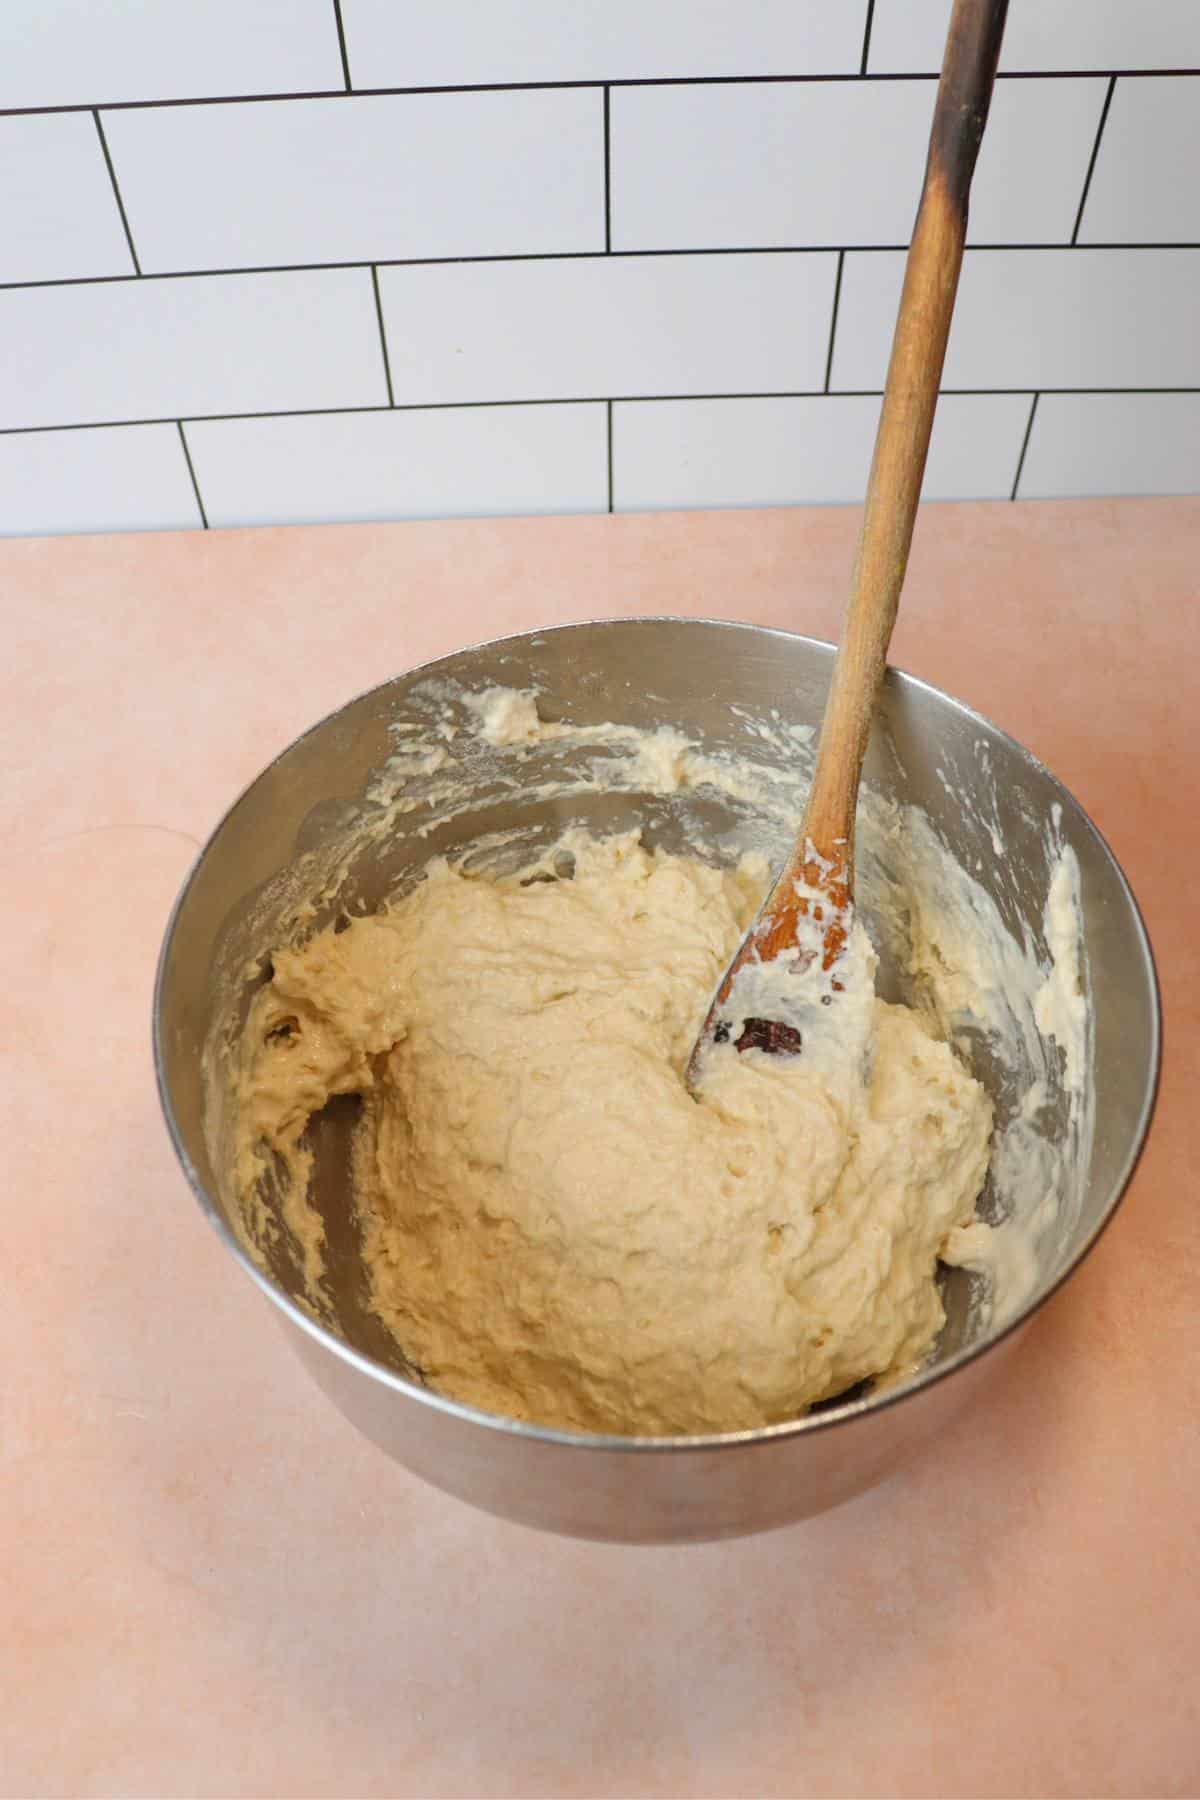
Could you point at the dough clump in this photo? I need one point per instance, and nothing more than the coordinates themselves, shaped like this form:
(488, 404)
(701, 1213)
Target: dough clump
(554, 1229)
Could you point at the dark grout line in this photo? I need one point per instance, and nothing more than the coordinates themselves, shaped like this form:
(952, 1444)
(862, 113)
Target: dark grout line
(341, 36)
(1025, 444)
(833, 316)
(1091, 168)
(187, 457)
(607, 180)
(866, 49)
(387, 367)
(318, 412)
(112, 176)
(295, 412)
(507, 87)
(980, 393)
(554, 256)
(609, 428)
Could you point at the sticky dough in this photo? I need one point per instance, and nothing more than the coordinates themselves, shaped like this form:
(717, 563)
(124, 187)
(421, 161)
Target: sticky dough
(554, 1228)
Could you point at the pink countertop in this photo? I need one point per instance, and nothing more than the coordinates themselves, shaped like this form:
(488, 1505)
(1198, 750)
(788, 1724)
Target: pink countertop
(212, 1585)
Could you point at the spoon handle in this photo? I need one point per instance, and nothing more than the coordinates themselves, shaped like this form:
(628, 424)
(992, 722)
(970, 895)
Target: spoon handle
(906, 417)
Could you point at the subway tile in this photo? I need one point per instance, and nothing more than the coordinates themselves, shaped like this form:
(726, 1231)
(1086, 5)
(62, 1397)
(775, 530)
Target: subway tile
(362, 179)
(596, 327)
(81, 53)
(1036, 318)
(695, 167)
(118, 478)
(60, 218)
(1033, 161)
(1152, 134)
(407, 43)
(782, 452)
(130, 350)
(1085, 444)
(908, 36)
(403, 465)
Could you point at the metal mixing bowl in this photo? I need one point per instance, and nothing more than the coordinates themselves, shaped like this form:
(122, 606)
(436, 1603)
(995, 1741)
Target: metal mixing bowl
(709, 680)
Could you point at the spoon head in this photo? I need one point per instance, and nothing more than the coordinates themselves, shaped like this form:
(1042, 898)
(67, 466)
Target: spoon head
(797, 981)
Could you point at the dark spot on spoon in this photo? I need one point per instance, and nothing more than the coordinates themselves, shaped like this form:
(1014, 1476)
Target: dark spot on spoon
(769, 1035)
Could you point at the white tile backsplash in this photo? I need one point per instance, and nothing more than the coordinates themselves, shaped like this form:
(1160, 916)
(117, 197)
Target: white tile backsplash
(605, 326)
(409, 43)
(779, 452)
(58, 214)
(908, 35)
(1145, 187)
(93, 52)
(1030, 319)
(616, 252)
(362, 179)
(118, 478)
(131, 350)
(1033, 160)
(1113, 444)
(403, 465)
(762, 164)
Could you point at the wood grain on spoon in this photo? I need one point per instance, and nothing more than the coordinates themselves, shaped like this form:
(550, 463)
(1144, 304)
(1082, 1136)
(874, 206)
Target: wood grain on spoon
(816, 885)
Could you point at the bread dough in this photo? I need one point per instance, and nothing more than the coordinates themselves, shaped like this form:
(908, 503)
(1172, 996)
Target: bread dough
(554, 1228)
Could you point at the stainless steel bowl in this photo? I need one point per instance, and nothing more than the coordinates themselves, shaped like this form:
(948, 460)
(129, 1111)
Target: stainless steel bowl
(704, 678)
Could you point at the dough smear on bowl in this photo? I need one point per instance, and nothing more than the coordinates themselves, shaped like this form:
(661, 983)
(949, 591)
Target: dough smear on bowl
(554, 1229)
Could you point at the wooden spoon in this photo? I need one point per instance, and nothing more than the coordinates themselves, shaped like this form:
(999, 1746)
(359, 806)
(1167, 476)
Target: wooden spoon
(807, 915)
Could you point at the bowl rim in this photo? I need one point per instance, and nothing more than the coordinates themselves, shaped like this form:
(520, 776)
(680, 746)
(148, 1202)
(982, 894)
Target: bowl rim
(831, 1417)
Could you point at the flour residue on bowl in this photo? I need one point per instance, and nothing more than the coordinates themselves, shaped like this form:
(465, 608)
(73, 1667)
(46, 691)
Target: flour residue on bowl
(1011, 1006)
